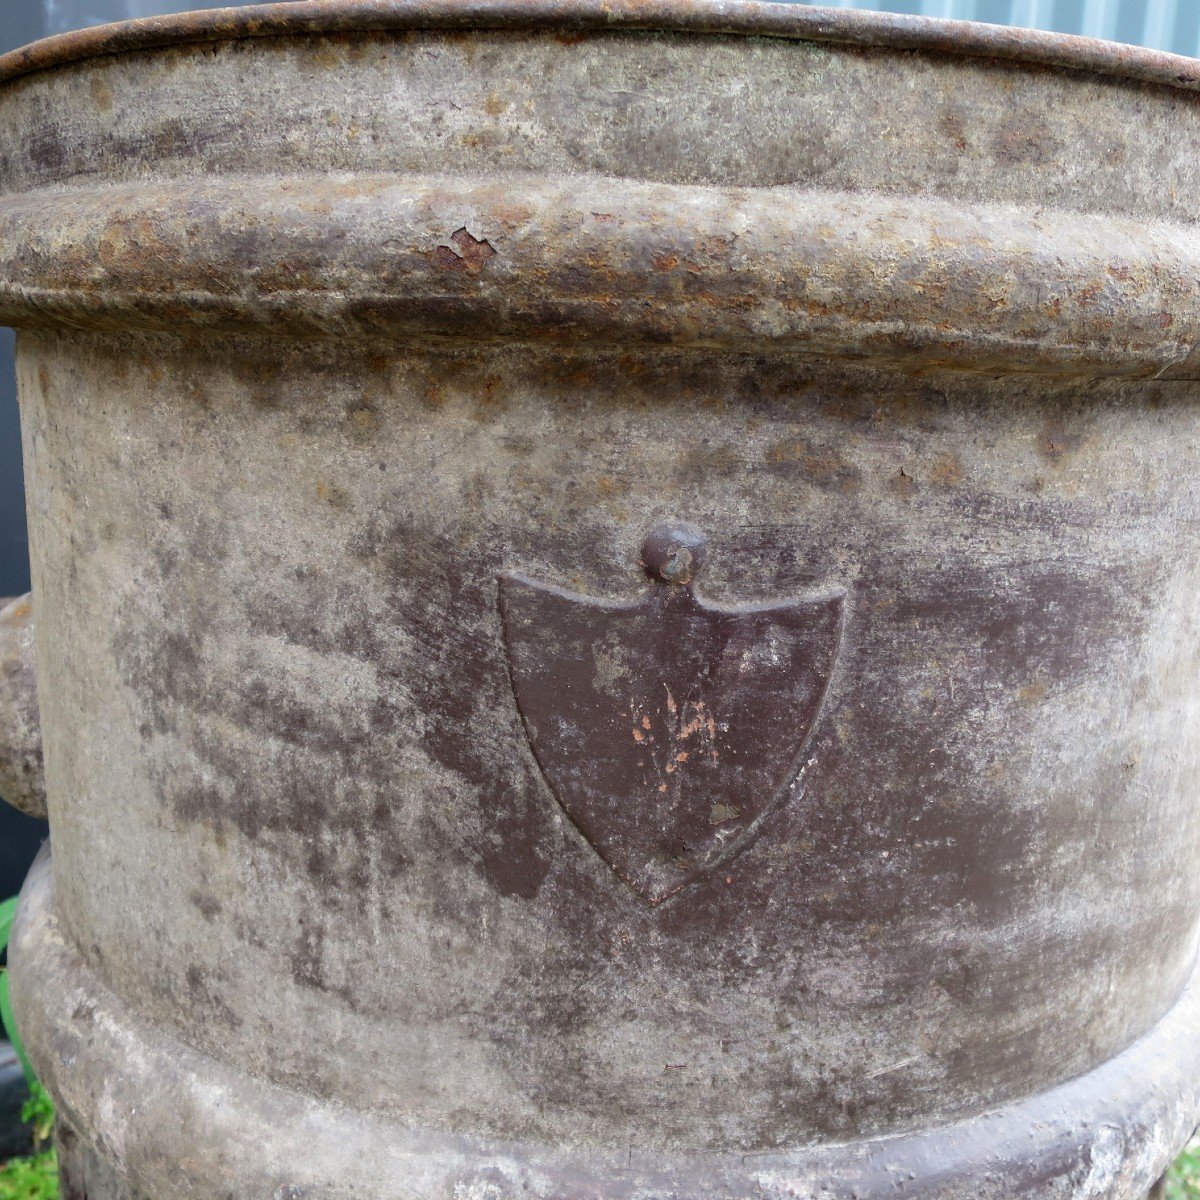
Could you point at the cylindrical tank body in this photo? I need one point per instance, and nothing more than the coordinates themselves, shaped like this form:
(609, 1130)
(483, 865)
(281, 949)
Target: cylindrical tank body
(617, 602)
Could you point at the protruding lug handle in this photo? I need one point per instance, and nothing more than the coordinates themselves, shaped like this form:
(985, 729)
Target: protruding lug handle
(22, 781)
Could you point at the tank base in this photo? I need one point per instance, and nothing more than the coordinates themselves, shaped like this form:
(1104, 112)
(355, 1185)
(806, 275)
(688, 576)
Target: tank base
(82, 1173)
(149, 1118)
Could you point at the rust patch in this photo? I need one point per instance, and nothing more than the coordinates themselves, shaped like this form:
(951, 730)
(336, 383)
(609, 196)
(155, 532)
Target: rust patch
(102, 93)
(902, 484)
(946, 470)
(954, 126)
(468, 253)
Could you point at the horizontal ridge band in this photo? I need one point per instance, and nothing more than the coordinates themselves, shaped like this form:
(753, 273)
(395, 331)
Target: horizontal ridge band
(585, 259)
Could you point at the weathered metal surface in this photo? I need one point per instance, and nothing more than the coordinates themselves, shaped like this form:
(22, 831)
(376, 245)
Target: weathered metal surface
(325, 334)
(82, 1173)
(22, 779)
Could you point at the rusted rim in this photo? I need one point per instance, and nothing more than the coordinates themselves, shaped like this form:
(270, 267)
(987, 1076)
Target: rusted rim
(745, 17)
(252, 254)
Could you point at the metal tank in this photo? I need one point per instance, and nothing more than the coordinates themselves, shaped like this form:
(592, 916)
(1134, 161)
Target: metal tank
(617, 605)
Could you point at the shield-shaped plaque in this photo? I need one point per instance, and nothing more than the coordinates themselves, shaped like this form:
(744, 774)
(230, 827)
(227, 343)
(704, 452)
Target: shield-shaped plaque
(667, 727)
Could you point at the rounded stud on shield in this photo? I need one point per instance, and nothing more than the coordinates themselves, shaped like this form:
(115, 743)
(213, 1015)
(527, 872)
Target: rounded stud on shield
(674, 552)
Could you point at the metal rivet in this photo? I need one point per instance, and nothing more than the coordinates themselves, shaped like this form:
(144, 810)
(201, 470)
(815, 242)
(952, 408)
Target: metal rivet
(674, 552)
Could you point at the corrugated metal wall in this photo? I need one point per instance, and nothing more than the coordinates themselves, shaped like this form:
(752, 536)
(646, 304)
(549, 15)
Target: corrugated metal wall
(1163, 24)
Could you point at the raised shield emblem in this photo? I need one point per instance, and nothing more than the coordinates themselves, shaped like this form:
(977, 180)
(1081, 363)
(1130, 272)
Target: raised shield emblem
(668, 727)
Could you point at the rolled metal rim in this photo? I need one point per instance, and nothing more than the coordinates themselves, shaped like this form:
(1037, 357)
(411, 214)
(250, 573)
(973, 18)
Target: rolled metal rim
(737, 17)
(240, 231)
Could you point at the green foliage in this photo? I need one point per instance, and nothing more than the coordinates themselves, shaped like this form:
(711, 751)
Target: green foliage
(8, 911)
(39, 1112)
(1184, 1181)
(33, 1178)
(8, 1022)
